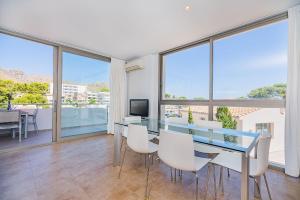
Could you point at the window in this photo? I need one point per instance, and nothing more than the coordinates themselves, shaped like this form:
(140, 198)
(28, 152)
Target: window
(186, 73)
(248, 76)
(252, 64)
(180, 113)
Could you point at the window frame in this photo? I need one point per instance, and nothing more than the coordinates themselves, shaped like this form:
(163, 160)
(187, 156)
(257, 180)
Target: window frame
(211, 102)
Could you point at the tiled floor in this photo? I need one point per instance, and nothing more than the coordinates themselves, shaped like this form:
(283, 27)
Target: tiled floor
(82, 169)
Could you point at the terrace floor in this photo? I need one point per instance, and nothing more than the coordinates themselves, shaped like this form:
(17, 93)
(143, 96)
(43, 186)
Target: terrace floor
(45, 136)
(82, 169)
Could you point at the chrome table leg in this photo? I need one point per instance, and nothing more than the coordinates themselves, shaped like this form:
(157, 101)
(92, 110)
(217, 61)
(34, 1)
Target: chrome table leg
(117, 145)
(245, 177)
(123, 159)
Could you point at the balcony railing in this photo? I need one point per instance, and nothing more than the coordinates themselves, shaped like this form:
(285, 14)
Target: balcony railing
(72, 115)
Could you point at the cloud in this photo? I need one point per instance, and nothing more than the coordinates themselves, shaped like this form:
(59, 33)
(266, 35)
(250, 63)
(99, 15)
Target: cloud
(278, 60)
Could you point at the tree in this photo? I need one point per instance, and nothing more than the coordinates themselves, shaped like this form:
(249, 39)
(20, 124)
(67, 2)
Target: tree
(23, 92)
(30, 99)
(182, 98)
(104, 89)
(190, 116)
(6, 89)
(199, 98)
(167, 96)
(69, 101)
(92, 101)
(277, 90)
(223, 115)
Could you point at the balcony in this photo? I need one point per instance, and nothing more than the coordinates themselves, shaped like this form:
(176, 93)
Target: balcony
(76, 119)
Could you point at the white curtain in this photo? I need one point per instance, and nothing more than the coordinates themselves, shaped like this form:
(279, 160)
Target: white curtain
(292, 130)
(117, 93)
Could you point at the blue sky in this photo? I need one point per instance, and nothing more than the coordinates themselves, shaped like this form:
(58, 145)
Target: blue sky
(37, 59)
(242, 62)
(81, 69)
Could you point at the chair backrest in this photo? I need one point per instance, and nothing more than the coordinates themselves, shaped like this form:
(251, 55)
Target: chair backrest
(177, 150)
(9, 116)
(133, 119)
(31, 109)
(137, 138)
(263, 147)
(177, 120)
(130, 119)
(209, 124)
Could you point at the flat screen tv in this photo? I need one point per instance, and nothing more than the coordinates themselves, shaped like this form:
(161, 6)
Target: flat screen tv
(139, 107)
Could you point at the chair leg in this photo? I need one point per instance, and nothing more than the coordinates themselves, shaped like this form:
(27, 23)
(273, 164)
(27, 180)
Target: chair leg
(258, 188)
(215, 182)
(13, 133)
(147, 193)
(207, 181)
(122, 141)
(197, 184)
(20, 133)
(266, 181)
(221, 183)
(228, 173)
(171, 170)
(35, 126)
(180, 174)
(123, 159)
(152, 159)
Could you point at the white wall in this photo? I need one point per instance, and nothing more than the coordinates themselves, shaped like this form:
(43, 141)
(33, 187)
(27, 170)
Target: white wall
(269, 115)
(143, 84)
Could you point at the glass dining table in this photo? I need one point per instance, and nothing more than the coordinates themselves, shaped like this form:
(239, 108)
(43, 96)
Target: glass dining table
(227, 139)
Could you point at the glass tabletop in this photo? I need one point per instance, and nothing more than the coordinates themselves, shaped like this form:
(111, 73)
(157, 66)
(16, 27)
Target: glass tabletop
(224, 138)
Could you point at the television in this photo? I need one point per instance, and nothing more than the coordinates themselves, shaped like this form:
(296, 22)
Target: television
(139, 107)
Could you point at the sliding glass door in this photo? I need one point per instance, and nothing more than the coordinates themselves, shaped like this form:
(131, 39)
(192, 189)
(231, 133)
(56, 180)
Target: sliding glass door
(26, 86)
(84, 93)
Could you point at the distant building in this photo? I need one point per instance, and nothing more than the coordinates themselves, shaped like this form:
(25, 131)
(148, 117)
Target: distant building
(100, 97)
(80, 94)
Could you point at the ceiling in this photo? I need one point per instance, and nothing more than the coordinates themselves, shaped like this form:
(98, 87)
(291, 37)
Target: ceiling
(128, 29)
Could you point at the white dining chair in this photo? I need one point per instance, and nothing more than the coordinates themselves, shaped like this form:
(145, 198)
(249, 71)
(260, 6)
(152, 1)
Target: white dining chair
(11, 120)
(203, 148)
(258, 165)
(207, 149)
(132, 119)
(177, 151)
(138, 141)
(32, 112)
